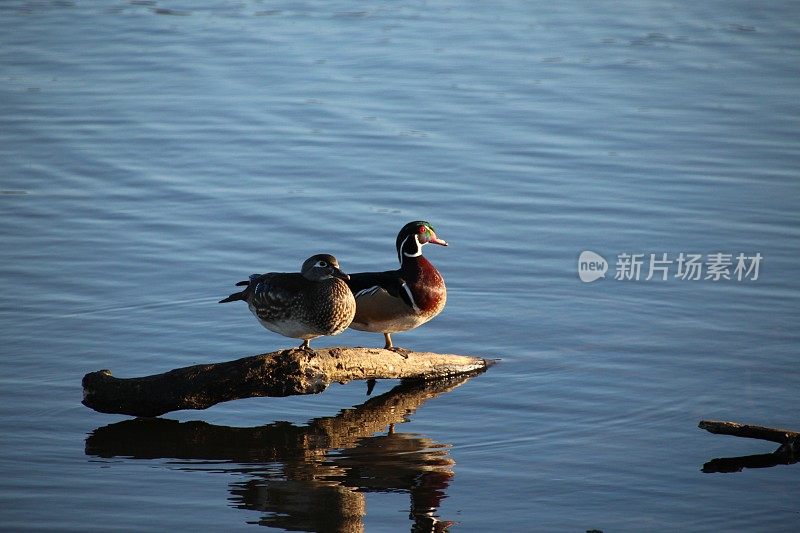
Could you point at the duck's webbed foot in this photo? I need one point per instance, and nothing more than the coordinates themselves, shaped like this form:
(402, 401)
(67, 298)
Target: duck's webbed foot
(306, 347)
(402, 352)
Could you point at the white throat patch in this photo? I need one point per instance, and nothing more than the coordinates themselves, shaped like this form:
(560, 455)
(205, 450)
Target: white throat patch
(415, 254)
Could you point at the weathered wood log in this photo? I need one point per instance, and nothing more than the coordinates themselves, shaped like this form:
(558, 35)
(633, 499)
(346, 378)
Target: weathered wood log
(786, 454)
(281, 373)
(781, 436)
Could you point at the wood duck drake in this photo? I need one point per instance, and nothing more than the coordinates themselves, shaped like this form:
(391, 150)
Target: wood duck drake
(402, 299)
(307, 305)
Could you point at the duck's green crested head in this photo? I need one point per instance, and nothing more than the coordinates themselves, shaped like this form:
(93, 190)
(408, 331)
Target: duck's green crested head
(414, 236)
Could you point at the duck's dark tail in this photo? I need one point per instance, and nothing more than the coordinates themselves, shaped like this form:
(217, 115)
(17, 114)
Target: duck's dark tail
(237, 295)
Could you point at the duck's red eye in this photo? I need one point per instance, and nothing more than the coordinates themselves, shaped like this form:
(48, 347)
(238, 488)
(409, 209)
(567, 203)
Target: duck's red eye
(422, 229)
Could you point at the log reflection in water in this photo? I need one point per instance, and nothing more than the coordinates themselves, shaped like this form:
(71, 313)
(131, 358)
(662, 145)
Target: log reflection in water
(309, 477)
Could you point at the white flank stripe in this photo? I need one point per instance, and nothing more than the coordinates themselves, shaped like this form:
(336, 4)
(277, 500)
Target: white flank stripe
(411, 297)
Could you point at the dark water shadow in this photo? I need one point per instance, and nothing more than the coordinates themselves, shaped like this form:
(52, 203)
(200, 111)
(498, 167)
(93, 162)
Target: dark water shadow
(786, 454)
(313, 477)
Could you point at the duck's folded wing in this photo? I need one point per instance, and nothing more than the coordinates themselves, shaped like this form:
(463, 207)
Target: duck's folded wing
(381, 289)
(270, 295)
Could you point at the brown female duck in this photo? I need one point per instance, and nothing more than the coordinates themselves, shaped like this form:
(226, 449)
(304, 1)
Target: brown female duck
(307, 305)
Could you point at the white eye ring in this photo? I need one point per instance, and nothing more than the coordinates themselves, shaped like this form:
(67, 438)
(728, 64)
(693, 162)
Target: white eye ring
(321, 264)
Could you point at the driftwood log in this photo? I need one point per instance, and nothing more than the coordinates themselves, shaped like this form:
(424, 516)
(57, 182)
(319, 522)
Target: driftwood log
(281, 373)
(786, 454)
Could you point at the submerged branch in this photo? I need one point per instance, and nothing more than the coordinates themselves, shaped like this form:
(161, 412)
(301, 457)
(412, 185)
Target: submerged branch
(781, 436)
(786, 454)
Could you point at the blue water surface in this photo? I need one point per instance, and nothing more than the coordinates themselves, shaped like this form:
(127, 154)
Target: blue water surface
(153, 153)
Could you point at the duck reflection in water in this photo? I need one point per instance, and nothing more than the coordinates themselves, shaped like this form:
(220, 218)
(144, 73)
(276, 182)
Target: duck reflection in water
(313, 477)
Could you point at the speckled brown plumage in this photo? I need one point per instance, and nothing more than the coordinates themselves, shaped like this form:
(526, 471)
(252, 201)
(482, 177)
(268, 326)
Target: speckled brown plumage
(304, 306)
